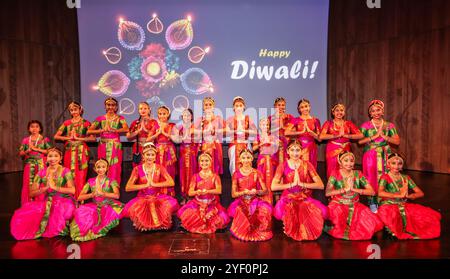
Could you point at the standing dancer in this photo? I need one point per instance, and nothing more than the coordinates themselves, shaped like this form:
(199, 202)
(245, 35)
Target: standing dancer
(241, 128)
(279, 122)
(268, 158)
(76, 156)
(33, 151)
(109, 127)
(378, 134)
(305, 129)
(139, 131)
(185, 135)
(339, 133)
(166, 151)
(211, 127)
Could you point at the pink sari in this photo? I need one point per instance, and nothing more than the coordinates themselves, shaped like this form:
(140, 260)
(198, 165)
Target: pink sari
(239, 142)
(306, 140)
(34, 162)
(268, 159)
(212, 142)
(141, 138)
(203, 214)
(93, 220)
(76, 155)
(110, 147)
(187, 161)
(278, 130)
(303, 217)
(152, 209)
(49, 214)
(166, 155)
(336, 146)
(252, 216)
(376, 152)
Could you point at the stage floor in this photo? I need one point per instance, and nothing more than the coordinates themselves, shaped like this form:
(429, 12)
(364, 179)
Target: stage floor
(124, 242)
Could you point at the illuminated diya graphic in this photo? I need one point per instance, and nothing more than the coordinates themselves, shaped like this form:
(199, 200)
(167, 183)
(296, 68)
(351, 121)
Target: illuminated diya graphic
(126, 106)
(113, 55)
(179, 34)
(113, 83)
(196, 82)
(155, 25)
(196, 54)
(131, 35)
(180, 103)
(153, 69)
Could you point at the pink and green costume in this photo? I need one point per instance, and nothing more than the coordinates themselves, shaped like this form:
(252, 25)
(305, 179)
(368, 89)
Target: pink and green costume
(95, 219)
(49, 215)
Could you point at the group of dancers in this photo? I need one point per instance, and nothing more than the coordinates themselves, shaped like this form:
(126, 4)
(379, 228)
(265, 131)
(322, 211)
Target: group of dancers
(57, 198)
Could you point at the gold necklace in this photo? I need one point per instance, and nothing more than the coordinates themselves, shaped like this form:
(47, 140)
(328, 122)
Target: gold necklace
(334, 125)
(149, 178)
(377, 127)
(205, 174)
(396, 178)
(37, 139)
(246, 171)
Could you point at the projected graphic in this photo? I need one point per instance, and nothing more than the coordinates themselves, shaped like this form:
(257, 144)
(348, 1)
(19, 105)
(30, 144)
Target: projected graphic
(178, 52)
(155, 67)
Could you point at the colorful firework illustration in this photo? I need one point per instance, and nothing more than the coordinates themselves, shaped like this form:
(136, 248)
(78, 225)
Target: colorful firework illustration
(155, 67)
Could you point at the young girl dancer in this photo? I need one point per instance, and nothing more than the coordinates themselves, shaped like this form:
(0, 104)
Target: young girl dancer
(268, 158)
(166, 151)
(251, 215)
(204, 214)
(211, 127)
(241, 128)
(403, 219)
(185, 135)
(109, 127)
(351, 219)
(278, 123)
(74, 134)
(139, 131)
(52, 210)
(151, 209)
(302, 216)
(378, 134)
(339, 132)
(306, 129)
(33, 151)
(95, 219)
